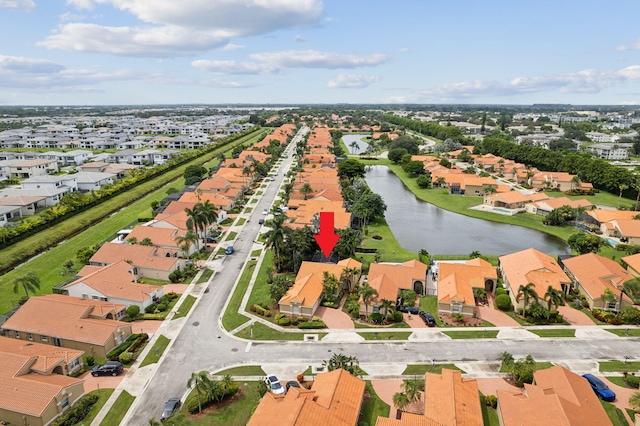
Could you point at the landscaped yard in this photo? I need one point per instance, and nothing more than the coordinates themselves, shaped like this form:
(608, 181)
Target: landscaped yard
(615, 414)
(237, 413)
(118, 409)
(103, 396)
(373, 407)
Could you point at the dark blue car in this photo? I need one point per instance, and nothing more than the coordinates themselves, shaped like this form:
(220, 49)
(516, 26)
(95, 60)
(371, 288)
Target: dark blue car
(600, 388)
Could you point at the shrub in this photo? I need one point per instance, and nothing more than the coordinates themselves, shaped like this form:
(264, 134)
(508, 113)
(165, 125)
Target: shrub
(175, 276)
(278, 316)
(133, 311)
(283, 321)
(491, 401)
(499, 291)
(115, 352)
(172, 295)
(300, 378)
(397, 316)
(316, 319)
(260, 310)
(632, 381)
(311, 325)
(154, 317)
(125, 357)
(78, 412)
(630, 315)
(150, 309)
(161, 307)
(503, 302)
(89, 360)
(459, 317)
(376, 317)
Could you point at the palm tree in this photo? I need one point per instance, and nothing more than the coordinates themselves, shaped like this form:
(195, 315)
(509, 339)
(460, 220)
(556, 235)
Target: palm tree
(367, 292)
(441, 181)
(353, 145)
(526, 292)
(202, 384)
(411, 388)
(207, 212)
(350, 276)
(185, 241)
(194, 222)
(29, 282)
(400, 401)
(275, 239)
(386, 306)
(306, 190)
(553, 297)
(623, 187)
(634, 401)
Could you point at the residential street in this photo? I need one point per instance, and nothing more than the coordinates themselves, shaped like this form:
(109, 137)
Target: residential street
(199, 343)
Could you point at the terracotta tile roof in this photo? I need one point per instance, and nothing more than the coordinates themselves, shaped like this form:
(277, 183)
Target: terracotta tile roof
(46, 356)
(393, 277)
(633, 261)
(532, 266)
(558, 397)
(609, 215)
(452, 400)
(629, 228)
(68, 318)
(115, 281)
(165, 237)
(595, 273)
(334, 399)
(177, 207)
(456, 281)
(554, 203)
(29, 394)
(176, 220)
(308, 285)
(408, 419)
(141, 256)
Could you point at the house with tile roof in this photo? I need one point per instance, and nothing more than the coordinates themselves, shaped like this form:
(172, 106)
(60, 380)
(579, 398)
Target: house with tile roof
(531, 266)
(160, 237)
(91, 326)
(632, 264)
(592, 274)
(627, 230)
(388, 279)
(50, 359)
(32, 393)
(603, 219)
(114, 283)
(457, 282)
(304, 297)
(335, 399)
(150, 261)
(451, 400)
(513, 200)
(544, 207)
(556, 397)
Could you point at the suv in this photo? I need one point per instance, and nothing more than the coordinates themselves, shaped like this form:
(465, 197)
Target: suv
(427, 318)
(408, 309)
(111, 368)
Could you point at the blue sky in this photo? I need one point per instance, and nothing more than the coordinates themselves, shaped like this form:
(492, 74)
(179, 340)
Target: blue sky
(93, 52)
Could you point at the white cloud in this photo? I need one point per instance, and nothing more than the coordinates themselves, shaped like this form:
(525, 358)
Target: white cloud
(352, 81)
(315, 59)
(175, 28)
(233, 67)
(633, 46)
(28, 66)
(403, 49)
(231, 46)
(26, 5)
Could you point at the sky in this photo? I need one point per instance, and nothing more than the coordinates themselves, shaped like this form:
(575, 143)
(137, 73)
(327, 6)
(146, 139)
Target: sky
(132, 52)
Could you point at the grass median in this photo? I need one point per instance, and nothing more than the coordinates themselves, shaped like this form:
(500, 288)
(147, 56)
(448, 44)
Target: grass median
(118, 409)
(153, 356)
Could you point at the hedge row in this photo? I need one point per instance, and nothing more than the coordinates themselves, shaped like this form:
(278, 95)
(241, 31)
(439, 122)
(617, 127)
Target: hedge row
(132, 343)
(78, 412)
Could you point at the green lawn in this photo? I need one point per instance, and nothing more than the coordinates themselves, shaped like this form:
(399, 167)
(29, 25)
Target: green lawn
(256, 253)
(185, 307)
(388, 247)
(206, 274)
(237, 413)
(489, 415)
(386, 335)
(231, 319)
(421, 369)
(430, 304)
(260, 290)
(540, 365)
(622, 332)
(263, 332)
(373, 407)
(618, 380)
(472, 334)
(103, 396)
(156, 351)
(619, 366)
(555, 333)
(241, 221)
(231, 236)
(615, 414)
(118, 410)
(245, 370)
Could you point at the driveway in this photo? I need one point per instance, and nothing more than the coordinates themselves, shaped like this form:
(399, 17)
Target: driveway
(105, 382)
(145, 326)
(496, 317)
(622, 396)
(574, 316)
(176, 288)
(334, 318)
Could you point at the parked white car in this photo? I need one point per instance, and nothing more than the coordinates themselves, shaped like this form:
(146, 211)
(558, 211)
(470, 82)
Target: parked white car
(274, 384)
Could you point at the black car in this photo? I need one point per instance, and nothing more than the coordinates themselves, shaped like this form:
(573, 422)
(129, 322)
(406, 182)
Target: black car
(170, 407)
(261, 221)
(211, 239)
(408, 309)
(292, 384)
(111, 368)
(427, 318)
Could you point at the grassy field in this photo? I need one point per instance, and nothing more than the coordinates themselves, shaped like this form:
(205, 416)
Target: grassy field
(421, 369)
(103, 396)
(388, 247)
(373, 407)
(231, 319)
(555, 333)
(185, 307)
(156, 351)
(118, 410)
(245, 370)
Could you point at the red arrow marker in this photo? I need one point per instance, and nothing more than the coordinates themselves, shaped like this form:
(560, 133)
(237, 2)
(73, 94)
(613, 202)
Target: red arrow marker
(327, 238)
